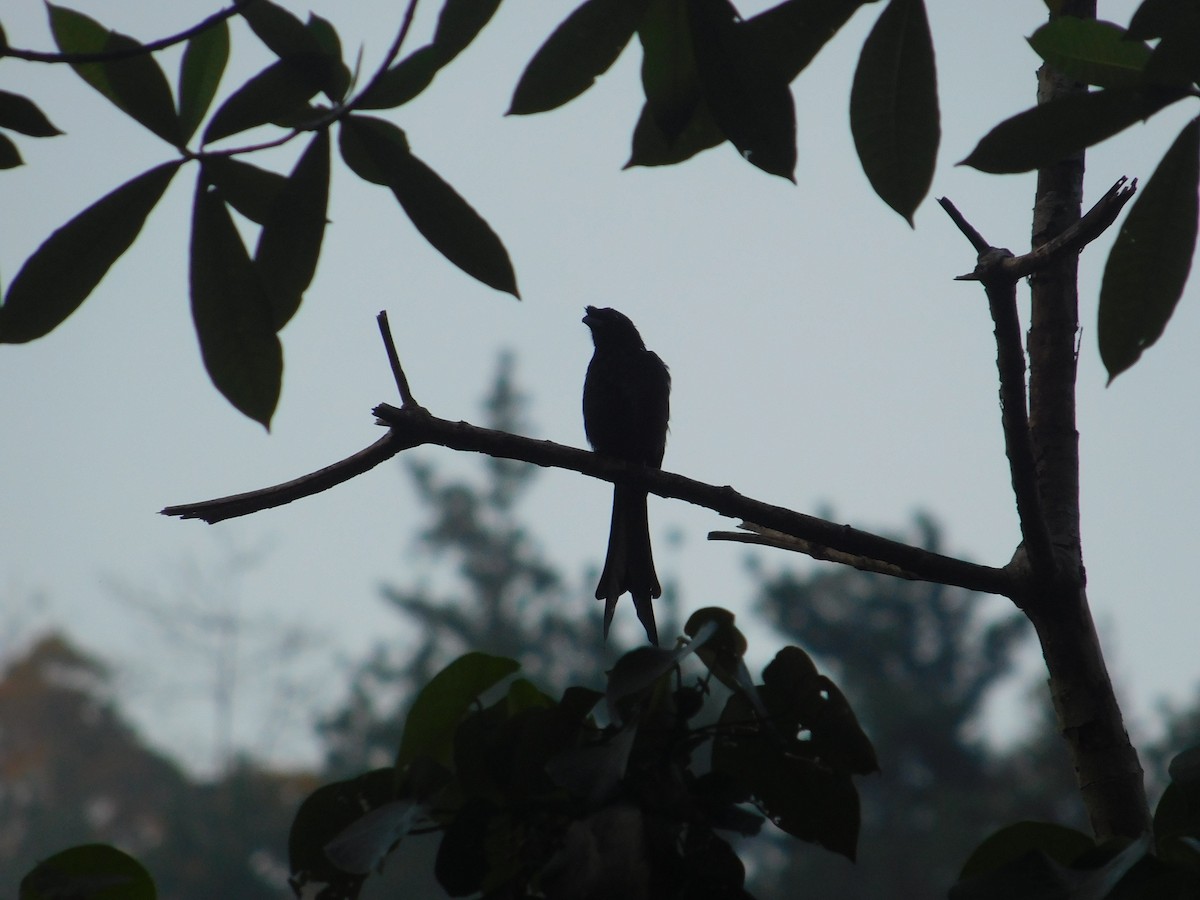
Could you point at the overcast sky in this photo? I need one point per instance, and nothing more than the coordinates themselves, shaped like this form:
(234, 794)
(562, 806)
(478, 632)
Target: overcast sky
(820, 350)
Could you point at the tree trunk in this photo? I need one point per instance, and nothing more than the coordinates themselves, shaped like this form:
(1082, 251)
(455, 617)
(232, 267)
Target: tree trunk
(1106, 764)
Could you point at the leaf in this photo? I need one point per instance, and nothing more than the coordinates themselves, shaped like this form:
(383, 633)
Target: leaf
(368, 146)
(290, 241)
(790, 35)
(669, 76)
(273, 93)
(579, 50)
(462, 859)
(894, 107)
(634, 676)
(248, 189)
(1151, 257)
(361, 846)
(324, 818)
(204, 60)
(1053, 131)
(458, 24)
(69, 264)
(135, 84)
(800, 796)
(301, 46)
(403, 81)
(441, 704)
(377, 151)
(652, 148)
(88, 872)
(1091, 51)
(1176, 59)
(749, 100)
(22, 114)
(1062, 844)
(231, 311)
(10, 156)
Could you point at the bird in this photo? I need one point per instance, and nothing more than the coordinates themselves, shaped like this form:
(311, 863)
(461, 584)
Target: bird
(626, 406)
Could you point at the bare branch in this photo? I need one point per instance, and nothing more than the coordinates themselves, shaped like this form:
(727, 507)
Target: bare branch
(213, 511)
(1001, 288)
(414, 426)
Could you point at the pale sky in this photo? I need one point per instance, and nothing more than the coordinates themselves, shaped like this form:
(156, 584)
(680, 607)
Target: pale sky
(821, 355)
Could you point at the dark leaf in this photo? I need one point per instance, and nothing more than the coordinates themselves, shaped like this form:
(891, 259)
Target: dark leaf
(377, 151)
(1176, 59)
(369, 145)
(580, 50)
(88, 872)
(10, 156)
(804, 798)
(304, 47)
(248, 189)
(1091, 51)
(275, 92)
(1177, 815)
(338, 75)
(894, 107)
(232, 311)
(437, 710)
(1151, 257)
(290, 241)
(462, 860)
(1184, 770)
(22, 114)
(403, 81)
(669, 76)
(136, 84)
(789, 36)
(70, 263)
(1153, 19)
(361, 846)
(722, 653)
(1058, 842)
(634, 676)
(1053, 131)
(652, 148)
(323, 816)
(749, 100)
(458, 23)
(204, 60)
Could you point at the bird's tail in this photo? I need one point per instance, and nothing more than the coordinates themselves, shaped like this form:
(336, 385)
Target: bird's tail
(629, 565)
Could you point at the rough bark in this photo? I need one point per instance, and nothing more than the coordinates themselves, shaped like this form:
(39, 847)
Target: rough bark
(1106, 764)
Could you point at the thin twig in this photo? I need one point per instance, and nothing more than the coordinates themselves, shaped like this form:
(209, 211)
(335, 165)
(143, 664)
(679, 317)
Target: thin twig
(768, 537)
(406, 396)
(981, 246)
(213, 511)
(127, 52)
(1000, 285)
(392, 52)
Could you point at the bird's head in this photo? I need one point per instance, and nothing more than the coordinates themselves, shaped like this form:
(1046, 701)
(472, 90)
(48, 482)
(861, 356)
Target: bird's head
(611, 329)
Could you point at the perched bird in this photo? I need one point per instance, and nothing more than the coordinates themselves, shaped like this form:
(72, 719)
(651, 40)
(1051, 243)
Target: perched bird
(626, 404)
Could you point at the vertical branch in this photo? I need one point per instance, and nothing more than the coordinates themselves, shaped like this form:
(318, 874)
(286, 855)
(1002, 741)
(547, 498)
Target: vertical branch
(1106, 765)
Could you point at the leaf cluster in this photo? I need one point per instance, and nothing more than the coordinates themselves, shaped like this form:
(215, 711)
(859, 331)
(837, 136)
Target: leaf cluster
(535, 796)
(241, 298)
(1044, 861)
